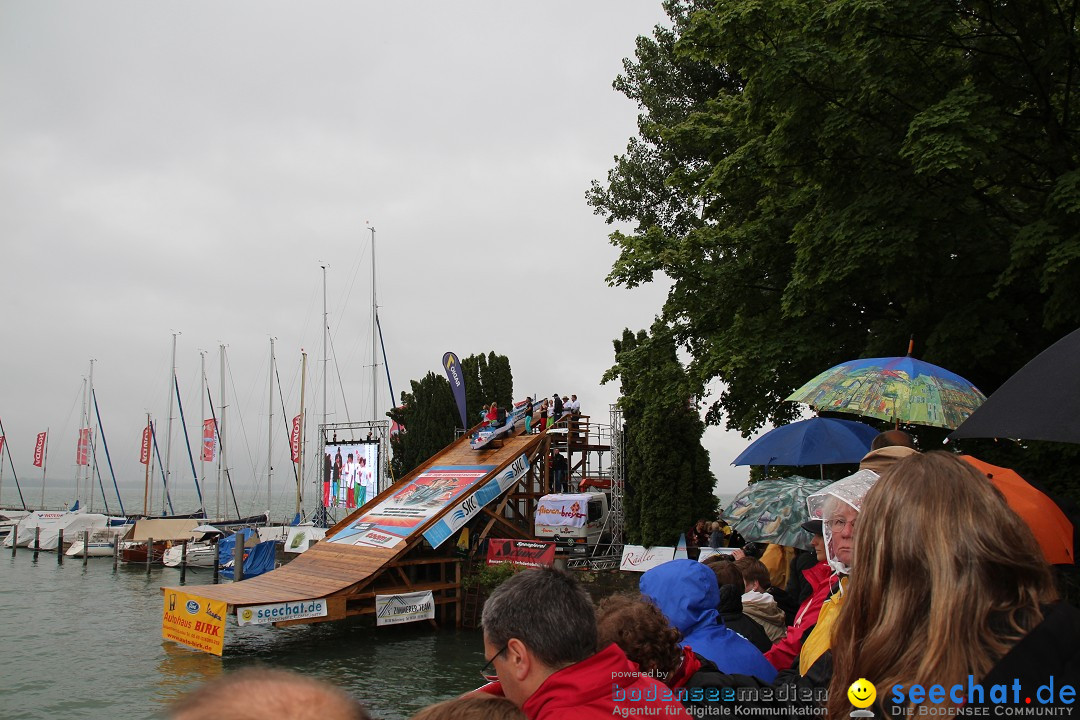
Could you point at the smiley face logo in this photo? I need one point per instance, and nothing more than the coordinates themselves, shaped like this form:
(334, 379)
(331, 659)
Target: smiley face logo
(862, 693)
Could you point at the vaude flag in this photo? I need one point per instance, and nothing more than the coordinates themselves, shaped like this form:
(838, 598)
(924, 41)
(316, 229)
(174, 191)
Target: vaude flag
(209, 440)
(82, 452)
(39, 449)
(457, 383)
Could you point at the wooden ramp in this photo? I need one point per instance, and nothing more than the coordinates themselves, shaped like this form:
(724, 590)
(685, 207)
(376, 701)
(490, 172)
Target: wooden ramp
(350, 576)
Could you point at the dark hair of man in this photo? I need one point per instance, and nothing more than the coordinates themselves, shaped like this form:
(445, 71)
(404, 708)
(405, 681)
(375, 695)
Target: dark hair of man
(548, 611)
(891, 438)
(752, 570)
(728, 574)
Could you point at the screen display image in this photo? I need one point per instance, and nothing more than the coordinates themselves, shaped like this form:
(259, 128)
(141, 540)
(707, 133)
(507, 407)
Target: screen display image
(350, 474)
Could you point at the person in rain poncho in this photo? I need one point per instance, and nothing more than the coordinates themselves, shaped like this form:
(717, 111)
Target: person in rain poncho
(837, 505)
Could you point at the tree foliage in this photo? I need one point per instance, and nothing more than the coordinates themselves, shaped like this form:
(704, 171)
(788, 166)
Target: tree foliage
(488, 379)
(669, 485)
(821, 181)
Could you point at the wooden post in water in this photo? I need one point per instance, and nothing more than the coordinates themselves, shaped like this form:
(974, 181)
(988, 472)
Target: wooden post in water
(37, 541)
(116, 553)
(183, 561)
(60, 546)
(14, 539)
(217, 562)
(238, 557)
(149, 552)
(85, 546)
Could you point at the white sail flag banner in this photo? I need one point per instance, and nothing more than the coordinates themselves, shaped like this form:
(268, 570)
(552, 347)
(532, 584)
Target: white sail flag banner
(277, 612)
(438, 533)
(404, 608)
(636, 558)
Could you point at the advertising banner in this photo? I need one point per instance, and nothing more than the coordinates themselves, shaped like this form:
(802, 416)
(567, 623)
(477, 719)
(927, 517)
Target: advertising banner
(350, 474)
(567, 510)
(398, 516)
(526, 553)
(209, 440)
(82, 451)
(300, 538)
(1, 445)
(39, 449)
(144, 447)
(276, 612)
(294, 438)
(438, 533)
(457, 383)
(404, 608)
(193, 621)
(636, 558)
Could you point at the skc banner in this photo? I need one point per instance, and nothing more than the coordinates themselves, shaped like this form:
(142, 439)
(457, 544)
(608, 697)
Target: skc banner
(193, 621)
(39, 449)
(82, 452)
(144, 450)
(438, 533)
(404, 608)
(457, 383)
(526, 553)
(209, 440)
(294, 438)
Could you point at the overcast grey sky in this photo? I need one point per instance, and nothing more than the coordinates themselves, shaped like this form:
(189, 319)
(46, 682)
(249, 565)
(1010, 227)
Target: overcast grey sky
(189, 166)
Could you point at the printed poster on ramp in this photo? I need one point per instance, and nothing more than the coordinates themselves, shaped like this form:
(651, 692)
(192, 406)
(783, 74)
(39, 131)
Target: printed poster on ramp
(401, 514)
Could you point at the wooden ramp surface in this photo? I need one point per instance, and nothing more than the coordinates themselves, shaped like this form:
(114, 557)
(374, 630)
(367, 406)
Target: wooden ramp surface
(327, 568)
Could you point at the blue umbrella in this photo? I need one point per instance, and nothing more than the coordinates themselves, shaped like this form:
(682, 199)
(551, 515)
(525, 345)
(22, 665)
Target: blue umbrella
(817, 441)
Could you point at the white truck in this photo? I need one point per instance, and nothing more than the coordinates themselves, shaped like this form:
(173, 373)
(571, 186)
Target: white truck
(575, 521)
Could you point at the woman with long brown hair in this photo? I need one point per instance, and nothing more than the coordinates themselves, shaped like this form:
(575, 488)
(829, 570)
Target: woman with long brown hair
(950, 583)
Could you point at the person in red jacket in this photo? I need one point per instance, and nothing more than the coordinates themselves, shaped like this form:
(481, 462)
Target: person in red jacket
(784, 651)
(540, 639)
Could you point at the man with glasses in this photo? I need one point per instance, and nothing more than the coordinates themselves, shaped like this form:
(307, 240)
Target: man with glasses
(540, 643)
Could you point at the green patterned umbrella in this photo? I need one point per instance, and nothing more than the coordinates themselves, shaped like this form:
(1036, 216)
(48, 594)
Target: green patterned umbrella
(897, 389)
(774, 510)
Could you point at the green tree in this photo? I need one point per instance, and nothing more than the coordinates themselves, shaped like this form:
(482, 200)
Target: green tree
(429, 416)
(669, 485)
(488, 379)
(821, 181)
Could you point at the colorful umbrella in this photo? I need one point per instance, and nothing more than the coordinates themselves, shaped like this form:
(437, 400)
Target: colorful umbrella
(1037, 403)
(1049, 524)
(773, 511)
(817, 441)
(897, 389)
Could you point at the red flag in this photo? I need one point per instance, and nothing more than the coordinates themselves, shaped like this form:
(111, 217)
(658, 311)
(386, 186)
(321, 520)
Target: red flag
(209, 440)
(144, 454)
(294, 438)
(1, 443)
(39, 449)
(82, 452)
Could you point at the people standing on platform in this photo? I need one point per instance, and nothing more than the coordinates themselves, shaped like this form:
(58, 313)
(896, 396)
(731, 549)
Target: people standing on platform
(574, 406)
(528, 414)
(556, 409)
(543, 416)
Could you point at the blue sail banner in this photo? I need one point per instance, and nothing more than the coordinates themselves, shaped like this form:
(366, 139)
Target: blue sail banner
(457, 383)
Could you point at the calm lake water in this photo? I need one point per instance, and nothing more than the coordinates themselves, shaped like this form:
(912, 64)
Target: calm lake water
(81, 642)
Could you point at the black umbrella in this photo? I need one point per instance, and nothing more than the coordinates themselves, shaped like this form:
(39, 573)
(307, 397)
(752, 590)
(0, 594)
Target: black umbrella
(1040, 402)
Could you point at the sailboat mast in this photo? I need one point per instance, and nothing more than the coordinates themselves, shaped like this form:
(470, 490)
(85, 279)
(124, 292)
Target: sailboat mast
(374, 338)
(270, 434)
(168, 429)
(325, 333)
(300, 440)
(221, 431)
(44, 463)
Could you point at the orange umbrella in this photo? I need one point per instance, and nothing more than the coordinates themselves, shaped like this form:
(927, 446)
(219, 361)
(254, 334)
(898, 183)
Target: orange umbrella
(1050, 526)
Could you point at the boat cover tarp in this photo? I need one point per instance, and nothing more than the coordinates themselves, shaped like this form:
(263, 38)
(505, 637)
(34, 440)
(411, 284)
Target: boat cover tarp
(227, 545)
(259, 560)
(163, 529)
